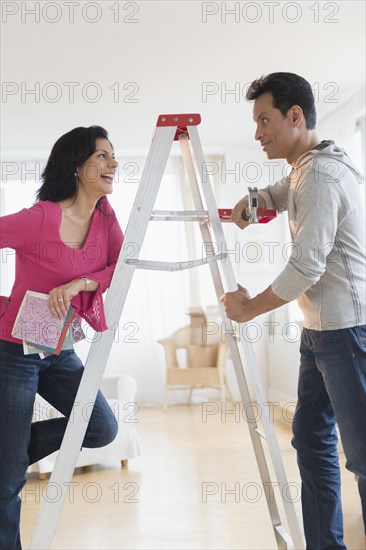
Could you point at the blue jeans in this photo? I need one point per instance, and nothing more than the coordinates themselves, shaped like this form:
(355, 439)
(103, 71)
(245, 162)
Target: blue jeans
(22, 442)
(332, 388)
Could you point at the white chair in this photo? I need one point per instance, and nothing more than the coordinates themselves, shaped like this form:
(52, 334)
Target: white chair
(205, 366)
(120, 393)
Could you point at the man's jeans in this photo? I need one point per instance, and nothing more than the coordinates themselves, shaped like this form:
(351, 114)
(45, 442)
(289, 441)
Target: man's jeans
(56, 379)
(332, 388)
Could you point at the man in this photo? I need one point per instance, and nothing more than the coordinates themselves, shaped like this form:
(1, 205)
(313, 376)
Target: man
(326, 274)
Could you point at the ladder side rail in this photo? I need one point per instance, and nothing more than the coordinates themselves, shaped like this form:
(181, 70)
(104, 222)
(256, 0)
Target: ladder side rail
(237, 361)
(99, 351)
(149, 185)
(285, 489)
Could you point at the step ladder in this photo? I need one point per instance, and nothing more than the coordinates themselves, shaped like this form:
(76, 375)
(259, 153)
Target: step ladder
(169, 128)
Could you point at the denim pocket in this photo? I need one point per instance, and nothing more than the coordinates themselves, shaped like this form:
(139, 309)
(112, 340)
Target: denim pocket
(11, 348)
(64, 353)
(360, 334)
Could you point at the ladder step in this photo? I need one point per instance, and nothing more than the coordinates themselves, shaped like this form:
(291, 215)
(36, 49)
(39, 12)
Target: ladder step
(259, 432)
(179, 215)
(175, 266)
(286, 538)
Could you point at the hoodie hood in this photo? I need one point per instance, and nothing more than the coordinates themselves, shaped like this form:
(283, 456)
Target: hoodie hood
(324, 153)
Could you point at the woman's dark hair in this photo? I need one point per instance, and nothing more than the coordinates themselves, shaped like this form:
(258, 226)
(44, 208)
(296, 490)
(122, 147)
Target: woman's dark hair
(68, 153)
(287, 89)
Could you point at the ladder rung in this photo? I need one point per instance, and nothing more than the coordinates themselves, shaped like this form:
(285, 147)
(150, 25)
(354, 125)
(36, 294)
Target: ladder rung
(174, 266)
(259, 432)
(179, 215)
(284, 536)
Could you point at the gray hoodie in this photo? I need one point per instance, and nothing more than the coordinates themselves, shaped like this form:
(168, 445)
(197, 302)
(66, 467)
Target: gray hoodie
(327, 269)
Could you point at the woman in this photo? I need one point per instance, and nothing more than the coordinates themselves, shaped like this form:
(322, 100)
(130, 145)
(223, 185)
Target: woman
(67, 245)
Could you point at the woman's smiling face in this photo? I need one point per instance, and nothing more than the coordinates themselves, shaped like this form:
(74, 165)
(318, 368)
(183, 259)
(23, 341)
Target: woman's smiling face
(96, 174)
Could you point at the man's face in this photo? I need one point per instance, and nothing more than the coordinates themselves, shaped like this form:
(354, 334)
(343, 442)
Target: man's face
(275, 132)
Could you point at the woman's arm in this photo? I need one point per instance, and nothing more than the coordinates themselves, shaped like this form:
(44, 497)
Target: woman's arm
(89, 305)
(16, 230)
(59, 298)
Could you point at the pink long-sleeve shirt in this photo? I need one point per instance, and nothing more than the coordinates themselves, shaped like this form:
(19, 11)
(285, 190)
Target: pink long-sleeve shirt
(44, 261)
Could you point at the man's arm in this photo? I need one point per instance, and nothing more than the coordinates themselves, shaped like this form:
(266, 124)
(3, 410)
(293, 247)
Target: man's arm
(241, 308)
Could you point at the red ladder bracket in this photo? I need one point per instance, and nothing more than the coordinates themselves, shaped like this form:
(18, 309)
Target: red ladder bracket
(265, 215)
(181, 121)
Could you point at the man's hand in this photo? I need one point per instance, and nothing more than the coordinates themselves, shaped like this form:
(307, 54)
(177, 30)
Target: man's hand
(236, 214)
(236, 305)
(238, 209)
(240, 307)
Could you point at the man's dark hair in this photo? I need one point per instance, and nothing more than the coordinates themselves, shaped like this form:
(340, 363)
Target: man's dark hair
(68, 153)
(287, 89)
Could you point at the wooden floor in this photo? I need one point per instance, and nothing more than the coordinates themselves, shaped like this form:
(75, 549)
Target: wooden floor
(195, 486)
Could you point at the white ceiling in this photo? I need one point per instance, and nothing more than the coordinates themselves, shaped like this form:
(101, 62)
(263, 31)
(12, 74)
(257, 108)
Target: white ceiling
(169, 53)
